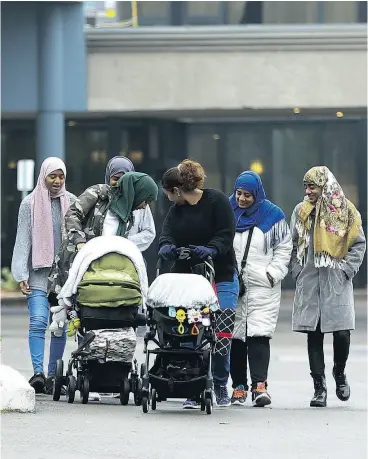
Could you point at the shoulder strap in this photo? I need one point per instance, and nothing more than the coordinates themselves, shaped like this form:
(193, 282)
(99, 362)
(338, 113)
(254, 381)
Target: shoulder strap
(246, 251)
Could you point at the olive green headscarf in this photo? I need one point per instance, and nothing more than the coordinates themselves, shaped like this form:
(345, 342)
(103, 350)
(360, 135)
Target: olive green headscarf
(131, 190)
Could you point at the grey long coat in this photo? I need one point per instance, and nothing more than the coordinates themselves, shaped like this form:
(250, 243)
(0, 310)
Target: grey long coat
(324, 293)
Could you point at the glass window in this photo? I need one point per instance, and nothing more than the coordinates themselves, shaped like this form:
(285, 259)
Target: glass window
(134, 145)
(290, 12)
(244, 12)
(203, 13)
(86, 156)
(340, 145)
(340, 12)
(295, 149)
(247, 148)
(362, 12)
(203, 146)
(18, 141)
(149, 13)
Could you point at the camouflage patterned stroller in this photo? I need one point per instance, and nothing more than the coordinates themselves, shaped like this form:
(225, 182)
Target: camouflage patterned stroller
(107, 300)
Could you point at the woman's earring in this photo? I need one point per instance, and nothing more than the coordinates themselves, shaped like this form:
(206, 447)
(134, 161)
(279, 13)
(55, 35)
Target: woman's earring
(178, 194)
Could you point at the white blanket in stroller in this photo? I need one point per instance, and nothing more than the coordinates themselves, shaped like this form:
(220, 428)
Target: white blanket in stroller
(114, 345)
(181, 290)
(94, 249)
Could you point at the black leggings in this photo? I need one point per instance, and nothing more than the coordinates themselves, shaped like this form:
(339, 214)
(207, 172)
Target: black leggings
(341, 346)
(256, 350)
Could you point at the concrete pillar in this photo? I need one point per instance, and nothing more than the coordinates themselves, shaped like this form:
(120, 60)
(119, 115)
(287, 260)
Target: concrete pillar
(50, 117)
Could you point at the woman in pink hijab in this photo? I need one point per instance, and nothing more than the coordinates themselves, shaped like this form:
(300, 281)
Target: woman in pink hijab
(39, 236)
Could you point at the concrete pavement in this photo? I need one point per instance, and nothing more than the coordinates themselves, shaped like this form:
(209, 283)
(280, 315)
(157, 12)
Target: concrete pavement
(288, 429)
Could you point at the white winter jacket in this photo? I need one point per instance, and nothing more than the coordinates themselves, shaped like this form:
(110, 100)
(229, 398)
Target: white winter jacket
(257, 311)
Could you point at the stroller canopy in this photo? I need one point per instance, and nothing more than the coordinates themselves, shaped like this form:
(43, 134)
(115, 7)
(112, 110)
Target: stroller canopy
(181, 290)
(96, 248)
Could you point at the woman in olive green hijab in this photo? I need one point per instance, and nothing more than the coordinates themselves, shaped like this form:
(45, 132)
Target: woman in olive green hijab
(102, 210)
(132, 192)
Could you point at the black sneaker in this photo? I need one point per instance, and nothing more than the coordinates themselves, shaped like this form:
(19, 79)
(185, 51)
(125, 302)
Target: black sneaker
(38, 382)
(342, 385)
(260, 396)
(49, 386)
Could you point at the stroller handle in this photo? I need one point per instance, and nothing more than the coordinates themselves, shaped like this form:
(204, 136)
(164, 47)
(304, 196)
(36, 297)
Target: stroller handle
(182, 253)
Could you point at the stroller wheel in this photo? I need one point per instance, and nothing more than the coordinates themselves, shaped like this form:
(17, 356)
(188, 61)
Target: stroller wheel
(58, 380)
(145, 404)
(84, 390)
(153, 399)
(124, 392)
(208, 404)
(71, 388)
(138, 393)
(203, 401)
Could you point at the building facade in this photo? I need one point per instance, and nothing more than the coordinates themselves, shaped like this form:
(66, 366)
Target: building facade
(234, 85)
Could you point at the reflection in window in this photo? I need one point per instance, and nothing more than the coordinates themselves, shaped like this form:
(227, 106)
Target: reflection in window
(203, 8)
(86, 157)
(294, 151)
(134, 145)
(340, 12)
(149, 13)
(203, 147)
(245, 12)
(247, 148)
(340, 143)
(204, 13)
(290, 12)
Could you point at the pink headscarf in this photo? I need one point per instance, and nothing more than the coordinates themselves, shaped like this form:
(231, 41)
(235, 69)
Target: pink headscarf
(42, 227)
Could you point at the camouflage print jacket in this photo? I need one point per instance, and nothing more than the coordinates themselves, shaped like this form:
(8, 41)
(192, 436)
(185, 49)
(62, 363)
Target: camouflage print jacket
(83, 221)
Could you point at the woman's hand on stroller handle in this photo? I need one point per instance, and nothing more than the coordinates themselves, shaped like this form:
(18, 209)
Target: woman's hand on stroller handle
(170, 252)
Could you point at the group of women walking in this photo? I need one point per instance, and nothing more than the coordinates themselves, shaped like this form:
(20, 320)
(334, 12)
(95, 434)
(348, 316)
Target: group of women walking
(249, 241)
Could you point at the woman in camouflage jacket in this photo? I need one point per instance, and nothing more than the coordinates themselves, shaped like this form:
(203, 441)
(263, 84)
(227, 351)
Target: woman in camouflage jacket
(86, 220)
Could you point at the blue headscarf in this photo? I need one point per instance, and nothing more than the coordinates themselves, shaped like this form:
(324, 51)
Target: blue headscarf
(263, 213)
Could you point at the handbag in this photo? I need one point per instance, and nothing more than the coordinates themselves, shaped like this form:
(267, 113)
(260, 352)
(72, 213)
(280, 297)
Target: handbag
(242, 287)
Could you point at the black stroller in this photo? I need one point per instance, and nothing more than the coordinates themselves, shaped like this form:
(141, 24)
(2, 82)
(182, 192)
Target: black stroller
(181, 318)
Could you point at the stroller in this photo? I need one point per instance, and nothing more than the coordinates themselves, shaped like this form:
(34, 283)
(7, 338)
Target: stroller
(106, 299)
(181, 319)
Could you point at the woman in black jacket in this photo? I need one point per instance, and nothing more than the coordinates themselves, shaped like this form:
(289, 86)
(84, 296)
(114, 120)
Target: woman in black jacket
(203, 220)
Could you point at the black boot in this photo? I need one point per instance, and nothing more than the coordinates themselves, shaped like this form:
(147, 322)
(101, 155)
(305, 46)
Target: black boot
(342, 386)
(320, 391)
(38, 382)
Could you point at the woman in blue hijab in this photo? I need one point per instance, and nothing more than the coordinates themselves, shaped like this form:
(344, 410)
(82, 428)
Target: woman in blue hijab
(263, 238)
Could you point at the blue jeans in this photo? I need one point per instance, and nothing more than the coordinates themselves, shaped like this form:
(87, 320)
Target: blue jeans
(228, 293)
(39, 316)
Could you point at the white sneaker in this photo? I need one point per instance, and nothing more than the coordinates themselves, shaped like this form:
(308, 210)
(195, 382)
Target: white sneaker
(94, 397)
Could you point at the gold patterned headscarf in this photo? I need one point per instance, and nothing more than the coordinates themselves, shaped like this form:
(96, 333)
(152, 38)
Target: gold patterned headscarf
(337, 221)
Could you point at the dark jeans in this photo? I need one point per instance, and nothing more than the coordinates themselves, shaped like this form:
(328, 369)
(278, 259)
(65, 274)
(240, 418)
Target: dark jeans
(256, 350)
(341, 346)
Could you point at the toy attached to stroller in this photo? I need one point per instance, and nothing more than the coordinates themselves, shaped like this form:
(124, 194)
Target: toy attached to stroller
(181, 317)
(106, 286)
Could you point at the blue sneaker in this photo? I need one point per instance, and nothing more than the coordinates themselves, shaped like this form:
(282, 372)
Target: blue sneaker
(222, 397)
(190, 404)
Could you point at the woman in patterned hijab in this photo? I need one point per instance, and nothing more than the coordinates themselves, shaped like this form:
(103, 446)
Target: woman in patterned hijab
(328, 249)
(337, 221)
